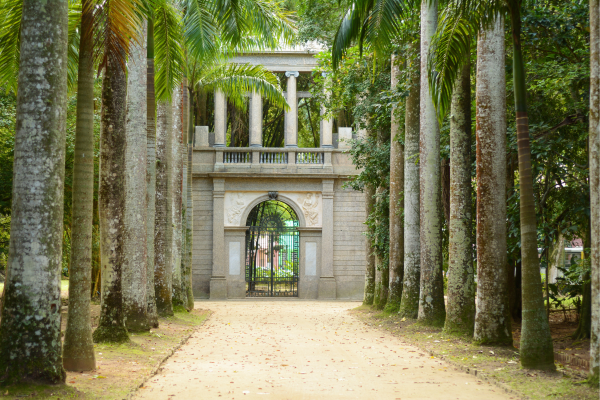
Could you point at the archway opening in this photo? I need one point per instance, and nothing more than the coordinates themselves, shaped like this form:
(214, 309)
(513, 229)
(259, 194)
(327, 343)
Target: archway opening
(272, 250)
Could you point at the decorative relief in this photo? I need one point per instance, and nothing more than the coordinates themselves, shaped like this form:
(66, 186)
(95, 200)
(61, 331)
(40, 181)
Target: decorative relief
(236, 210)
(236, 203)
(310, 205)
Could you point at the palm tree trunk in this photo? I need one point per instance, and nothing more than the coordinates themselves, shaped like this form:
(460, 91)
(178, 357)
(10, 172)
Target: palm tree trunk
(492, 321)
(111, 327)
(31, 352)
(594, 157)
(382, 271)
(536, 346)
(396, 263)
(135, 251)
(163, 268)
(369, 250)
(189, 211)
(431, 298)
(409, 305)
(176, 207)
(460, 315)
(78, 350)
(150, 179)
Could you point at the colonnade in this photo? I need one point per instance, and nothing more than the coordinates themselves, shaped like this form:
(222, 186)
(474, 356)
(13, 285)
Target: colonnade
(256, 118)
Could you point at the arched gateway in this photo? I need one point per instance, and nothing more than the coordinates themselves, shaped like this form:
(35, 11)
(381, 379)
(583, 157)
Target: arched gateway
(272, 250)
(308, 241)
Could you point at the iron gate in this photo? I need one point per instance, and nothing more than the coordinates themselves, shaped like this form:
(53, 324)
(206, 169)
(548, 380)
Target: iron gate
(272, 251)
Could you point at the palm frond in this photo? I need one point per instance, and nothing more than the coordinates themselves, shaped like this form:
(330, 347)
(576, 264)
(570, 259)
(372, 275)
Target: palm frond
(264, 19)
(10, 32)
(451, 45)
(237, 80)
(201, 29)
(168, 56)
(373, 23)
(73, 46)
(117, 24)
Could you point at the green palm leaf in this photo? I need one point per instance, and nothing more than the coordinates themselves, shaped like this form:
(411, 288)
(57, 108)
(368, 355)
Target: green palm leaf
(237, 80)
(451, 46)
(372, 22)
(168, 56)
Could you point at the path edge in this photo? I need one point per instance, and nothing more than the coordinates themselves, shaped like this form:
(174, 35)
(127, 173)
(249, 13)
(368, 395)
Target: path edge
(168, 355)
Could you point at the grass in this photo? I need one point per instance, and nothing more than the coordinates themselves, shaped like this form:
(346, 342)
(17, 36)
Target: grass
(499, 365)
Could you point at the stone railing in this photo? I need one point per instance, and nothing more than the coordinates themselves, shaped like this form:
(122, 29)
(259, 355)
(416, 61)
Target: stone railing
(273, 155)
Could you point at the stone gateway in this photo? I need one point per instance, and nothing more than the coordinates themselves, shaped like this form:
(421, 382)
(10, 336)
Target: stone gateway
(230, 182)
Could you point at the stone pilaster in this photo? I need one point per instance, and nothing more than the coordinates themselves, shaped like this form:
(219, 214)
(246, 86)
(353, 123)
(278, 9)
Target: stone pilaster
(220, 119)
(218, 282)
(327, 286)
(201, 136)
(291, 116)
(326, 124)
(256, 119)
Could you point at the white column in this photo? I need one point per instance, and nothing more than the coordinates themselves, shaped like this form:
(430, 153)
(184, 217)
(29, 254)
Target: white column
(256, 120)
(291, 116)
(220, 118)
(326, 124)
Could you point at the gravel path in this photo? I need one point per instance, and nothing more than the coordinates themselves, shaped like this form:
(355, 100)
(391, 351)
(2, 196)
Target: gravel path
(303, 350)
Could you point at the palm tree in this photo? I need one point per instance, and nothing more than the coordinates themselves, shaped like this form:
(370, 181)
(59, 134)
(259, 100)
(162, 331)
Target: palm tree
(31, 352)
(163, 277)
(150, 177)
(134, 241)
(594, 154)
(396, 267)
(78, 350)
(371, 266)
(431, 296)
(463, 21)
(177, 199)
(460, 317)
(492, 322)
(409, 305)
(119, 22)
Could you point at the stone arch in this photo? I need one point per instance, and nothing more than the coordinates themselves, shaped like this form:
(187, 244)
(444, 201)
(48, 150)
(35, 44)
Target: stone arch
(281, 197)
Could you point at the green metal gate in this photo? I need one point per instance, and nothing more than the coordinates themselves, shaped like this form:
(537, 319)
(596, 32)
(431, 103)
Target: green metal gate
(272, 251)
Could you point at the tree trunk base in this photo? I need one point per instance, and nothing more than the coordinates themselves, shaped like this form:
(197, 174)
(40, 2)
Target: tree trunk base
(110, 334)
(392, 307)
(79, 364)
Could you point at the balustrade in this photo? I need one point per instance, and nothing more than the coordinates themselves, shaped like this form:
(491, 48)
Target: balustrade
(311, 157)
(237, 157)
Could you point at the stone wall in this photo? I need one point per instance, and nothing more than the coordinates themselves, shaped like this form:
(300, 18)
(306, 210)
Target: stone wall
(203, 225)
(348, 242)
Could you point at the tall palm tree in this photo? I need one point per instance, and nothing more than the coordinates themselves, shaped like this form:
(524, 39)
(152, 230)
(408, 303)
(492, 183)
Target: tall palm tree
(492, 321)
(594, 154)
(78, 350)
(134, 241)
(32, 351)
(431, 296)
(163, 232)
(463, 20)
(396, 266)
(119, 22)
(460, 317)
(409, 305)
(150, 177)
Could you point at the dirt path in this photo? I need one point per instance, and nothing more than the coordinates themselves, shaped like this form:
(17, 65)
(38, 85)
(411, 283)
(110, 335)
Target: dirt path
(303, 350)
